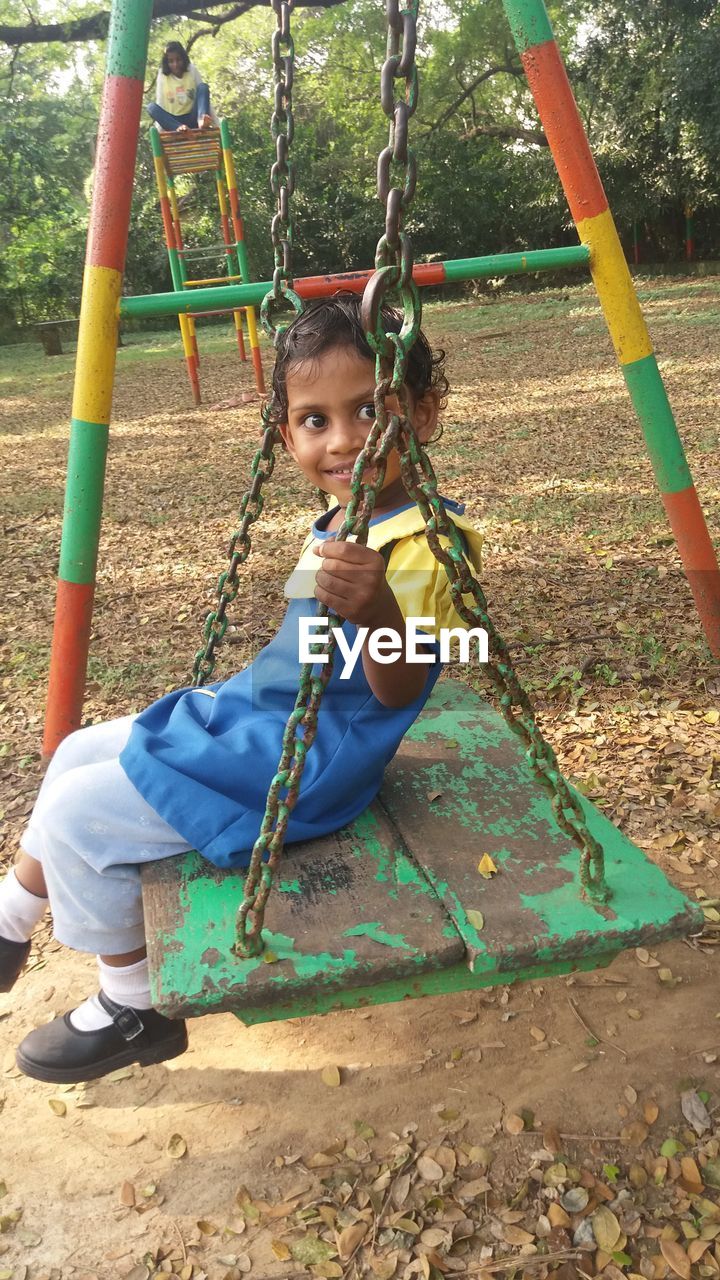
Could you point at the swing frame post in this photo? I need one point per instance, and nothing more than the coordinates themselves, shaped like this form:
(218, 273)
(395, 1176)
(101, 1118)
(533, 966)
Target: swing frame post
(243, 266)
(95, 367)
(555, 102)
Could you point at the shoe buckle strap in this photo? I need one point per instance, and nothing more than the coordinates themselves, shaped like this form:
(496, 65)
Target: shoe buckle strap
(128, 1023)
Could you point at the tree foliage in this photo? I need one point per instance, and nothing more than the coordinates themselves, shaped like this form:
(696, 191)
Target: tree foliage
(644, 73)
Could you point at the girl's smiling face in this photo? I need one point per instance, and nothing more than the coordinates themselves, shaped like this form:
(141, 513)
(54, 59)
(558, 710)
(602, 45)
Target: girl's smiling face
(330, 413)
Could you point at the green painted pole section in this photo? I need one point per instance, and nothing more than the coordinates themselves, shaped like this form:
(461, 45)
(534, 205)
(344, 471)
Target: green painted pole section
(83, 500)
(651, 404)
(179, 260)
(572, 255)
(174, 260)
(245, 295)
(155, 143)
(128, 39)
(529, 23)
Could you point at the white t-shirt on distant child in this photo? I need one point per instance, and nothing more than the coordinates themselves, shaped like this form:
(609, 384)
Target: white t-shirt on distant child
(177, 94)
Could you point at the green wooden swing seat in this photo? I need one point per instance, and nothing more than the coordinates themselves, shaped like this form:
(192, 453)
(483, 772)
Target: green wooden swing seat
(388, 907)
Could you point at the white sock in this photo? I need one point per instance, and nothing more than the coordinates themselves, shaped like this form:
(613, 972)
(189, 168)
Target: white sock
(20, 909)
(125, 984)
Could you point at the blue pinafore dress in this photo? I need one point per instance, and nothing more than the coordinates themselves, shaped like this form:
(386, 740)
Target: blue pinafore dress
(204, 758)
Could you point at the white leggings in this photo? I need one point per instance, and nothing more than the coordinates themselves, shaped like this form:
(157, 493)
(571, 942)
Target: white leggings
(91, 830)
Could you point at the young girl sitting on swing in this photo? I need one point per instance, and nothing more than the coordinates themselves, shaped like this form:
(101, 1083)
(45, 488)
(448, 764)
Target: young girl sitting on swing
(193, 770)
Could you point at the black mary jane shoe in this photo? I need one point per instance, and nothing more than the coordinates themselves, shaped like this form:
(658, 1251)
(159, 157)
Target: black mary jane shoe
(12, 962)
(60, 1054)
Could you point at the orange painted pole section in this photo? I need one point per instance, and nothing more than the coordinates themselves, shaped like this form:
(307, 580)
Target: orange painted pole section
(95, 367)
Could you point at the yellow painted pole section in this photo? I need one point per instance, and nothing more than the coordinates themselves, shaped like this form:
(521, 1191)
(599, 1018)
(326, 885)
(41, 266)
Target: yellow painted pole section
(229, 167)
(614, 285)
(160, 176)
(252, 327)
(222, 198)
(174, 204)
(186, 335)
(97, 344)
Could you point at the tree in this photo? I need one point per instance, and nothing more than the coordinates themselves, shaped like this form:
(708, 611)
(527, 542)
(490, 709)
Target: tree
(647, 76)
(94, 26)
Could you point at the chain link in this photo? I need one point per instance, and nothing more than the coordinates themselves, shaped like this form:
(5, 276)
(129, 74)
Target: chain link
(282, 299)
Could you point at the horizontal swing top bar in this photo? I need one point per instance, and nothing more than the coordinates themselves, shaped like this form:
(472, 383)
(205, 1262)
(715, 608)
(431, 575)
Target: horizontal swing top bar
(424, 273)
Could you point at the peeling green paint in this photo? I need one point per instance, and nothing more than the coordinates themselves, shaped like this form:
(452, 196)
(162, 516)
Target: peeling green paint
(289, 886)
(373, 929)
(535, 922)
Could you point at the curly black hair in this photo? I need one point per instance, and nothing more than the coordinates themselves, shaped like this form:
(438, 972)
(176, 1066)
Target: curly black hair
(329, 323)
(174, 46)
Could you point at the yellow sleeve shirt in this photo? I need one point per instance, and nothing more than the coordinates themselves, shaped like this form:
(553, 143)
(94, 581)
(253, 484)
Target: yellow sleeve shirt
(418, 581)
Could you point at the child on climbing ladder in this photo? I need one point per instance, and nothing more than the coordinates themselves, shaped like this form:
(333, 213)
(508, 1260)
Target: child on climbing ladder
(193, 770)
(182, 98)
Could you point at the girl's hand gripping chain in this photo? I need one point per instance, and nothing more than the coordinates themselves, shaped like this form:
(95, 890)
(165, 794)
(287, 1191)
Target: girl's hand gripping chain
(352, 583)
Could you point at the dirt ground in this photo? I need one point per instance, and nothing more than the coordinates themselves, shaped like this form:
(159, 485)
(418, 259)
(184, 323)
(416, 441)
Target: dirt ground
(568, 1124)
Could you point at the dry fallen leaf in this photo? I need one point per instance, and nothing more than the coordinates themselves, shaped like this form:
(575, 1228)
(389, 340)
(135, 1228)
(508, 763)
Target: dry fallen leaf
(330, 1076)
(514, 1124)
(606, 1228)
(429, 1169)
(697, 1248)
(551, 1139)
(676, 1257)
(476, 919)
(690, 1175)
(651, 1111)
(176, 1147)
(58, 1106)
(557, 1215)
(516, 1235)
(695, 1111)
(127, 1195)
(349, 1239)
(487, 867)
(634, 1133)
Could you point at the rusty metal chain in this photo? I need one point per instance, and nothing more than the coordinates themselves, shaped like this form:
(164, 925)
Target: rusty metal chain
(282, 301)
(393, 278)
(251, 507)
(470, 603)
